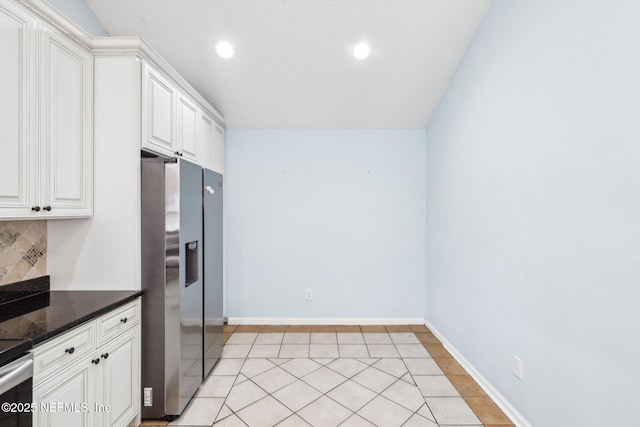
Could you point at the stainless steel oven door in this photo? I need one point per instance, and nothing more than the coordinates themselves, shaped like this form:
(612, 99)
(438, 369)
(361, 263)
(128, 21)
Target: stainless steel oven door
(16, 392)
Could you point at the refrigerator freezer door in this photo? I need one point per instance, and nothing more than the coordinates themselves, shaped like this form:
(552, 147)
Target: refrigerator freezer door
(213, 245)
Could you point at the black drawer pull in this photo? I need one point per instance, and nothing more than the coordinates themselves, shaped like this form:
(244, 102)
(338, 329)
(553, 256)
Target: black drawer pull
(104, 356)
(95, 361)
(124, 320)
(47, 208)
(70, 350)
(36, 208)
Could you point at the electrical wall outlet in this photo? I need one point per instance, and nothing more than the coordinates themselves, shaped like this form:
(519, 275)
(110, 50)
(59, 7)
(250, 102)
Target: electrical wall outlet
(309, 295)
(148, 396)
(517, 367)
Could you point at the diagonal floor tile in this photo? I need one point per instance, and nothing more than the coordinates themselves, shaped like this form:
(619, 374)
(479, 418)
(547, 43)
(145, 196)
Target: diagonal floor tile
(418, 421)
(323, 379)
(408, 379)
(266, 412)
(244, 394)
(384, 413)
(241, 378)
(405, 394)
(230, 421)
(300, 367)
(426, 412)
(253, 367)
(324, 412)
(224, 413)
(391, 366)
(324, 361)
(297, 395)
(347, 367)
(352, 395)
(273, 379)
(294, 421)
(374, 379)
(356, 421)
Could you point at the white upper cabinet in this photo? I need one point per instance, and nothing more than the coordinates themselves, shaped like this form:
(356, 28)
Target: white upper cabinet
(188, 143)
(218, 148)
(17, 103)
(66, 127)
(46, 166)
(206, 140)
(212, 136)
(173, 124)
(158, 106)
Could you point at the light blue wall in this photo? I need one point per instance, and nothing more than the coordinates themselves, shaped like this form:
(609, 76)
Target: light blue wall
(80, 13)
(533, 209)
(340, 212)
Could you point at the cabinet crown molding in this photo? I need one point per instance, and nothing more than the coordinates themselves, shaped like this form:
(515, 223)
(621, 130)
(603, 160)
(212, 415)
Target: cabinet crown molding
(115, 46)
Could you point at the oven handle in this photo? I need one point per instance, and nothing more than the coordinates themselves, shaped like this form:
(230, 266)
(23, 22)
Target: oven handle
(15, 373)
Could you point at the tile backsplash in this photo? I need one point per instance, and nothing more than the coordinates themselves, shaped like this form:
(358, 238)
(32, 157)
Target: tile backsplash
(23, 250)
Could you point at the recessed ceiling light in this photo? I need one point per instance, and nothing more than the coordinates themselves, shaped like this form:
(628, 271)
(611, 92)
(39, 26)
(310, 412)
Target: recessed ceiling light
(225, 50)
(361, 51)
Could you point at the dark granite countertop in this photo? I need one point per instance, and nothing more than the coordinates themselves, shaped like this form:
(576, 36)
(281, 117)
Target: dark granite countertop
(66, 309)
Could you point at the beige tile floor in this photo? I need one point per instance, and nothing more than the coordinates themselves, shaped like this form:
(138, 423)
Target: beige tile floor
(338, 376)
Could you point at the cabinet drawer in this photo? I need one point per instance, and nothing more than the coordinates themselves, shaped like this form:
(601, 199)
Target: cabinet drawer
(119, 320)
(70, 348)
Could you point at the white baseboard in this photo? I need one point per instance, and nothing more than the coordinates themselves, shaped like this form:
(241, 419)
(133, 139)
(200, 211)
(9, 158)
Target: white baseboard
(511, 412)
(324, 321)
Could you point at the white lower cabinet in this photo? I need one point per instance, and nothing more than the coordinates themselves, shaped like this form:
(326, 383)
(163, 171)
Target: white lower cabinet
(97, 388)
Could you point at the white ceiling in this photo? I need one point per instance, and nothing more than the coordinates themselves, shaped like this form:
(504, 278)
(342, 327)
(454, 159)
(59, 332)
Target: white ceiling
(294, 68)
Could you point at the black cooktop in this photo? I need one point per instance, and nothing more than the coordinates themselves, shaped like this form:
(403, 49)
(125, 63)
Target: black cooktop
(11, 349)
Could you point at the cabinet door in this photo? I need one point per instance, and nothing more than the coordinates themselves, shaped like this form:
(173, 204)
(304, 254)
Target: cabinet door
(17, 119)
(67, 398)
(158, 99)
(218, 148)
(206, 140)
(188, 142)
(121, 378)
(66, 137)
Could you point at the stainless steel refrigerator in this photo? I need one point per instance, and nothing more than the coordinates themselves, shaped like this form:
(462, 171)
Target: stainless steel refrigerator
(172, 281)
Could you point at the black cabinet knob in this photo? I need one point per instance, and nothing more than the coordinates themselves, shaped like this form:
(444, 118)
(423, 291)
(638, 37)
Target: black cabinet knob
(36, 208)
(47, 208)
(70, 350)
(104, 356)
(95, 361)
(124, 320)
